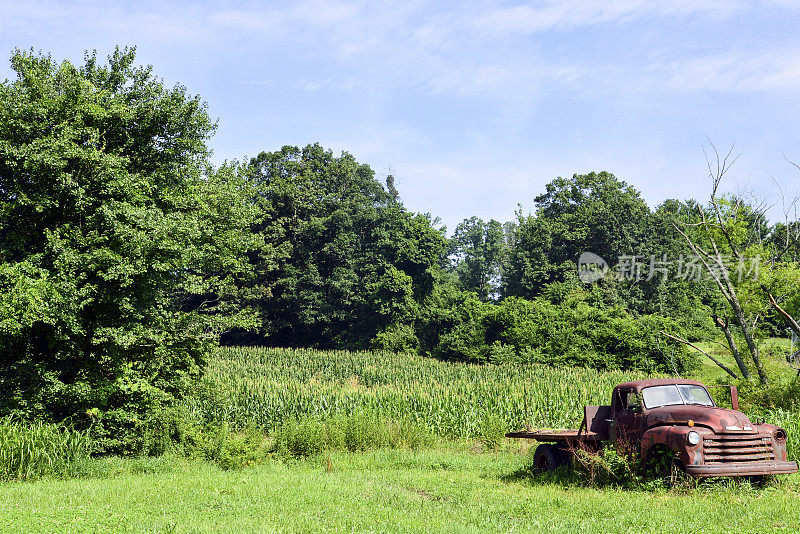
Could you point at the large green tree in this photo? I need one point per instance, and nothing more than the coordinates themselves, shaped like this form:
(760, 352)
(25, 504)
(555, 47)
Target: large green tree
(118, 243)
(593, 212)
(479, 253)
(351, 263)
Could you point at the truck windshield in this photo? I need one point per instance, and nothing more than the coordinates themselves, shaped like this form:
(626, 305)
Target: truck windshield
(656, 396)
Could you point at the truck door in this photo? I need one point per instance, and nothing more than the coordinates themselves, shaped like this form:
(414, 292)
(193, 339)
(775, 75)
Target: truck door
(628, 419)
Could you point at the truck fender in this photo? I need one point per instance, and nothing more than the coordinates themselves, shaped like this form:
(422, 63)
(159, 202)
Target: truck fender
(673, 437)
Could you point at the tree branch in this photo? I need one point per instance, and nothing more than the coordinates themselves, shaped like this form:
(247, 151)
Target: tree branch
(710, 357)
(786, 317)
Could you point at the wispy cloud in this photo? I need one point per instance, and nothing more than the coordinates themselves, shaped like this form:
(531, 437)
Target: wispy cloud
(768, 70)
(567, 14)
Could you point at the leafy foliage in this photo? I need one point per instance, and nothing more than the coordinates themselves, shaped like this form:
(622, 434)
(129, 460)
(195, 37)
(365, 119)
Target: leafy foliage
(480, 252)
(594, 212)
(117, 242)
(351, 264)
(576, 330)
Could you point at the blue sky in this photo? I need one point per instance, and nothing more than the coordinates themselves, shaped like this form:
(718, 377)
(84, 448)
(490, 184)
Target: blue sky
(474, 106)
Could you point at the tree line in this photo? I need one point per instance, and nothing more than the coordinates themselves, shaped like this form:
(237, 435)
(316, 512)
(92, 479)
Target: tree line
(126, 257)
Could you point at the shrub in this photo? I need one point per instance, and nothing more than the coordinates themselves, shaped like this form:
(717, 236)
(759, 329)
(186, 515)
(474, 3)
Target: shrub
(396, 338)
(302, 438)
(614, 467)
(576, 332)
(229, 450)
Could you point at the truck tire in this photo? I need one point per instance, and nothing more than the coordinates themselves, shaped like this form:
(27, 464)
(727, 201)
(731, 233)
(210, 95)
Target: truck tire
(662, 464)
(546, 458)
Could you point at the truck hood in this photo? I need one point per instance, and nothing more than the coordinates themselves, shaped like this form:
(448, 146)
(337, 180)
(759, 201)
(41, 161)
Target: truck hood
(717, 419)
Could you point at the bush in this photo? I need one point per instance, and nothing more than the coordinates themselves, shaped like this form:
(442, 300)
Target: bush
(218, 444)
(29, 451)
(573, 332)
(396, 338)
(613, 467)
(302, 438)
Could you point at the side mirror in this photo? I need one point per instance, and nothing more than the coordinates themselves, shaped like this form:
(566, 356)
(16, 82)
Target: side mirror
(734, 398)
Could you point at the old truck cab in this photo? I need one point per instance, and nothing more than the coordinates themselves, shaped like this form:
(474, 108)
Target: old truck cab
(679, 418)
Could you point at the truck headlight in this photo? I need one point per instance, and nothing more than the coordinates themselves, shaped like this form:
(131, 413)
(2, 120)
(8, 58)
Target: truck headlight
(693, 437)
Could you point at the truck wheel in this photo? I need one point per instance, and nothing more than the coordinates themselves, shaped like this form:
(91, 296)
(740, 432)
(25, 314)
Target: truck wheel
(545, 458)
(661, 463)
(761, 481)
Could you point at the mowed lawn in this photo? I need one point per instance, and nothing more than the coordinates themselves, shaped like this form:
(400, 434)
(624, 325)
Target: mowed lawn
(450, 489)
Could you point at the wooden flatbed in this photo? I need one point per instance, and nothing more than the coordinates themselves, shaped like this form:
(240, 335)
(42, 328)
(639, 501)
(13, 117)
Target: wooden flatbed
(555, 435)
(594, 428)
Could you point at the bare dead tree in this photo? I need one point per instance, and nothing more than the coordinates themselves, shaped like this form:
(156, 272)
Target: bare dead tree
(791, 222)
(713, 260)
(724, 325)
(783, 313)
(790, 241)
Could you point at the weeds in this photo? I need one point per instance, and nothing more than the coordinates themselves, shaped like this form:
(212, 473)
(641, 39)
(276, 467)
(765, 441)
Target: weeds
(228, 450)
(492, 431)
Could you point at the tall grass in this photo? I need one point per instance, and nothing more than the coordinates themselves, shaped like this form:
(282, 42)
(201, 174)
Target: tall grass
(265, 387)
(789, 420)
(358, 432)
(33, 450)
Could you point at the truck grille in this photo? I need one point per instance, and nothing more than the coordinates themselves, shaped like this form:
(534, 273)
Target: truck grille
(731, 448)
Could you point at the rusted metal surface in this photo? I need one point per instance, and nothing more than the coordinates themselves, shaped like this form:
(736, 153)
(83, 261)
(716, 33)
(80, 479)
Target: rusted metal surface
(553, 436)
(706, 440)
(714, 418)
(743, 469)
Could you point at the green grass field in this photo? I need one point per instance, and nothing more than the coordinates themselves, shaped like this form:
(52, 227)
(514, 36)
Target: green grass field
(450, 489)
(455, 485)
(773, 351)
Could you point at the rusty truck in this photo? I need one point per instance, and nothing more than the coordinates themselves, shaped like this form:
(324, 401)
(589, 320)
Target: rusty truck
(674, 419)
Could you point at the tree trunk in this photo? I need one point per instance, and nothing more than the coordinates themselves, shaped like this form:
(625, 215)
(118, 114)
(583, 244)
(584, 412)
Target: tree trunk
(748, 337)
(710, 357)
(723, 325)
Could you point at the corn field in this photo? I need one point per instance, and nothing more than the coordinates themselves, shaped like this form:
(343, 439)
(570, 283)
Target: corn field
(262, 386)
